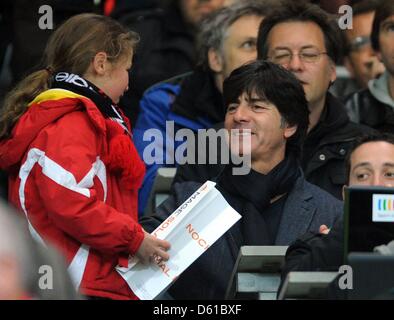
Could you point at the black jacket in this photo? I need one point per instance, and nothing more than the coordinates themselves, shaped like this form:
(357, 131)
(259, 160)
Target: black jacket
(318, 252)
(166, 49)
(325, 150)
(327, 145)
(364, 108)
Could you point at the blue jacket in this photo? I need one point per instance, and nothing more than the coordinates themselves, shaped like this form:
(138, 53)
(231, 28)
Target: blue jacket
(307, 207)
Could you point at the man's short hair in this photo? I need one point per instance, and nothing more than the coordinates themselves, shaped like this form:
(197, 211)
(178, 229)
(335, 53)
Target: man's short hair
(213, 28)
(277, 85)
(383, 11)
(300, 11)
(365, 6)
(372, 137)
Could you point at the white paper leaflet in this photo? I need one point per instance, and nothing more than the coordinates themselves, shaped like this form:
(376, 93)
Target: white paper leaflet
(191, 229)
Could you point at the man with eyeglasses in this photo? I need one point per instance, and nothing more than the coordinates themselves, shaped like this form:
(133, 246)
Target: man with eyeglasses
(305, 40)
(374, 106)
(360, 59)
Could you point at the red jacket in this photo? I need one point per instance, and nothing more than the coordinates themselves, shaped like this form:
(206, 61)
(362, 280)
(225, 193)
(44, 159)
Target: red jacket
(77, 187)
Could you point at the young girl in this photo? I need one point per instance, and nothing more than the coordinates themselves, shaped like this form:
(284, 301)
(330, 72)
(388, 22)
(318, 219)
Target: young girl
(73, 169)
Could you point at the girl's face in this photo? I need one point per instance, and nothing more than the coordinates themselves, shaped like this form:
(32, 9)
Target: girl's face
(110, 77)
(116, 81)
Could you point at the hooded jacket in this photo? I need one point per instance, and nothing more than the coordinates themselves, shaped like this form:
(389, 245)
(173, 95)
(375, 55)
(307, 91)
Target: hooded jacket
(64, 161)
(373, 106)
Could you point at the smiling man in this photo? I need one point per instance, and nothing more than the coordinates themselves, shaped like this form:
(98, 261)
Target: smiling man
(226, 40)
(276, 203)
(305, 40)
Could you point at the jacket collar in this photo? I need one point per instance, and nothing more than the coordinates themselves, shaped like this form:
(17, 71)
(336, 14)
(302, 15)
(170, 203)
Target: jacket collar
(333, 125)
(333, 116)
(297, 201)
(379, 89)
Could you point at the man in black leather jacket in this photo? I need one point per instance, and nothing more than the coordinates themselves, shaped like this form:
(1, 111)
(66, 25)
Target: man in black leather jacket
(374, 106)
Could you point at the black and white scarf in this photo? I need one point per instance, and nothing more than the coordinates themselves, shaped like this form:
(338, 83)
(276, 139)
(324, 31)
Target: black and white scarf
(79, 85)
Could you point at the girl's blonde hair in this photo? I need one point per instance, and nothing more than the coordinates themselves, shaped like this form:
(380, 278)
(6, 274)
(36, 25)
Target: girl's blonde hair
(70, 48)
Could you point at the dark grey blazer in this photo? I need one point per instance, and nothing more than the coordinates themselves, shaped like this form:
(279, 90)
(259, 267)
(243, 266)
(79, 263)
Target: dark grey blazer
(306, 208)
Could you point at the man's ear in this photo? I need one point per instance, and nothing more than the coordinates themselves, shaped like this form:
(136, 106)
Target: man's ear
(100, 63)
(343, 191)
(379, 55)
(215, 61)
(348, 65)
(289, 130)
(333, 71)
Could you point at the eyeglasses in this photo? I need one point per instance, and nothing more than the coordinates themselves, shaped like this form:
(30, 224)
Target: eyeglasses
(359, 43)
(285, 57)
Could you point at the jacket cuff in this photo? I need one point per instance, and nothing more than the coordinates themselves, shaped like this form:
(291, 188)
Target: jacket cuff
(123, 260)
(138, 236)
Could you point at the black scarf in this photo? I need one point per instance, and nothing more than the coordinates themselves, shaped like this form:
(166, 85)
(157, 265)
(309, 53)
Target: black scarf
(79, 85)
(251, 195)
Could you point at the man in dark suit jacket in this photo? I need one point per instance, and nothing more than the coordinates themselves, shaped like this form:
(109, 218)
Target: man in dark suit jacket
(276, 203)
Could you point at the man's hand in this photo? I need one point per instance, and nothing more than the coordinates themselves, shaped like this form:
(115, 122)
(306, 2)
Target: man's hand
(324, 229)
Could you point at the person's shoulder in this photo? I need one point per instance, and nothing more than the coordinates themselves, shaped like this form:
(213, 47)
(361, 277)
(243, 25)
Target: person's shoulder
(64, 115)
(184, 190)
(62, 133)
(180, 192)
(358, 129)
(320, 196)
(162, 94)
(362, 93)
(350, 130)
(170, 85)
(360, 99)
